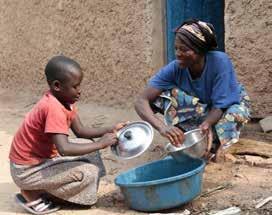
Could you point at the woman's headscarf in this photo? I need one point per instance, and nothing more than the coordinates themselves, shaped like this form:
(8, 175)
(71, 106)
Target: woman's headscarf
(197, 35)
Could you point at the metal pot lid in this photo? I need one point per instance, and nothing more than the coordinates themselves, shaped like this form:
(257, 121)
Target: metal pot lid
(133, 140)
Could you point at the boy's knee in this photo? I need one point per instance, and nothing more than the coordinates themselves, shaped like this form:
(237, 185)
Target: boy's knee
(90, 172)
(86, 173)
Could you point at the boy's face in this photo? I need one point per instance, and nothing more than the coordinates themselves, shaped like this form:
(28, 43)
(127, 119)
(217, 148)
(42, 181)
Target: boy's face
(69, 90)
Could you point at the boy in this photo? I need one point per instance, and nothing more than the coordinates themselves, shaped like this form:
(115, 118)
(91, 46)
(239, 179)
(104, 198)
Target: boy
(39, 161)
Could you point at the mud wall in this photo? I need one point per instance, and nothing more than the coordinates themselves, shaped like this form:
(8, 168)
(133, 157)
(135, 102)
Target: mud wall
(119, 43)
(111, 39)
(248, 41)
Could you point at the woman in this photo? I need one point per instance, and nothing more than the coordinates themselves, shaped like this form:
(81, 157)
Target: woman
(198, 89)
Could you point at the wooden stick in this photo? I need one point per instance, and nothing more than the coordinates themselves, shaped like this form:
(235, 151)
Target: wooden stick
(215, 189)
(263, 202)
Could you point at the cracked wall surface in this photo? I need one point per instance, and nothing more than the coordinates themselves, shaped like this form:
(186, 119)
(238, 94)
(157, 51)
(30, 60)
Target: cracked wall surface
(248, 41)
(111, 39)
(117, 44)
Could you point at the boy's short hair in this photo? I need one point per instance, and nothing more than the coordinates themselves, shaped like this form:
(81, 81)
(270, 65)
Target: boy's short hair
(57, 68)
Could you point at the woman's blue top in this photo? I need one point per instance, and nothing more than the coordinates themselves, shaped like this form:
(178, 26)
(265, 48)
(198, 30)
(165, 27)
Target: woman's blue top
(218, 86)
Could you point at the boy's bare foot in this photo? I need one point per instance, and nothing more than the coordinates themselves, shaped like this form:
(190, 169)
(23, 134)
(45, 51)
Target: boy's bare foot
(37, 206)
(31, 195)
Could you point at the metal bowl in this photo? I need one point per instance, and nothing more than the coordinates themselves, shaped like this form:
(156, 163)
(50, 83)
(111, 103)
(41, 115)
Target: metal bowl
(195, 145)
(133, 140)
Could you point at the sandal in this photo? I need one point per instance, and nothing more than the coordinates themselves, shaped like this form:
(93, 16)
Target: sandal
(39, 206)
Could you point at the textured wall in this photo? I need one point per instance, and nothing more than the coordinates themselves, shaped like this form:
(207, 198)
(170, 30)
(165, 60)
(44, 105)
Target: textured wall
(111, 39)
(117, 45)
(248, 41)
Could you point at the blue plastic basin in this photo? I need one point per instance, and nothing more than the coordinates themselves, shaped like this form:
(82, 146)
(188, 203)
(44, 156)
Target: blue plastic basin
(162, 184)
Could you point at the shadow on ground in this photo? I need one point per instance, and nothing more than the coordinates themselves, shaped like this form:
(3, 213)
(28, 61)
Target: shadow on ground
(8, 205)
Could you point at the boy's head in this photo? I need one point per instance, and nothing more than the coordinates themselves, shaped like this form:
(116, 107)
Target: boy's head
(64, 76)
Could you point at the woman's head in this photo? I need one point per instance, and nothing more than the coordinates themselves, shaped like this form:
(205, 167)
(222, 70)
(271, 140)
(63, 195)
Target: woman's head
(64, 77)
(194, 38)
(197, 35)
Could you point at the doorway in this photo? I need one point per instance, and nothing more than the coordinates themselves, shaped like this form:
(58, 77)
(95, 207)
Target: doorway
(177, 11)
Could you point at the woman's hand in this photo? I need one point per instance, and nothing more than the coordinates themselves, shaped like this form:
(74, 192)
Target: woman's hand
(174, 135)
(207, 130)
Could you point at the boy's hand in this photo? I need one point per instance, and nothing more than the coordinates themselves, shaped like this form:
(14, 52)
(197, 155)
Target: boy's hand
(118, 126)
(108, 139)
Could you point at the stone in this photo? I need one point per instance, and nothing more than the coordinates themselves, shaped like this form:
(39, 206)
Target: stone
(251, 147)
(266, 124)
(230, 157)
(258, 161)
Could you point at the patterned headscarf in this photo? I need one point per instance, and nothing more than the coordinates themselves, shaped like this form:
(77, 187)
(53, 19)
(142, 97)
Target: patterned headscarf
(197, 35)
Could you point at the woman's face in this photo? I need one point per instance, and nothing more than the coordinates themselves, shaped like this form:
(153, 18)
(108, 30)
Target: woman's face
(185, 56)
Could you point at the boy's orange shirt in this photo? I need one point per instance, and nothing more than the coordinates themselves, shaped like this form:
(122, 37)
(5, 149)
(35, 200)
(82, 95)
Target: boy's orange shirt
(31, 144)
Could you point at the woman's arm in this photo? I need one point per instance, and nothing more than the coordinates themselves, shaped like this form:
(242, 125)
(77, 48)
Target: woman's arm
(212, 118)
(142, 107)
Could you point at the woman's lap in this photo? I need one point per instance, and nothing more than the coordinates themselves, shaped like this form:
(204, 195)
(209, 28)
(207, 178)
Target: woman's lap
(186, 112)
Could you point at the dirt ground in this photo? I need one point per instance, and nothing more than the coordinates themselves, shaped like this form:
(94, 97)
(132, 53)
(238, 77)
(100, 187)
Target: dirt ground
(247, 184)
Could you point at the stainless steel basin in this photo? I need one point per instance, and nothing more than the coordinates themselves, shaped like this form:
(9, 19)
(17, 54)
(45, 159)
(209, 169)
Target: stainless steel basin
(195, 145)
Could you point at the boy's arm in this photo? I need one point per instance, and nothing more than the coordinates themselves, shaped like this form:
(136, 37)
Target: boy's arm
(82, 131)
(65, 148)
